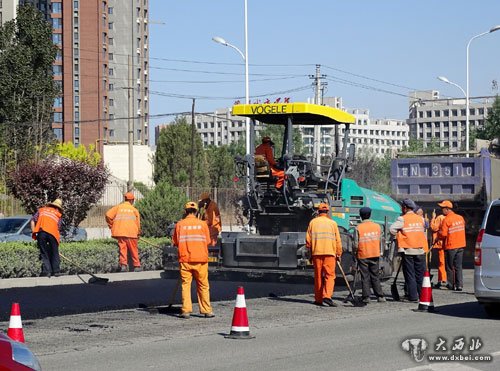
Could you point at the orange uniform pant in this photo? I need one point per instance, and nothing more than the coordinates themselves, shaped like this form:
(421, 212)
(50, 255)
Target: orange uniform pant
(324, 276)
(200, 273)
(280, 174)
(441, 266)
(128, 244)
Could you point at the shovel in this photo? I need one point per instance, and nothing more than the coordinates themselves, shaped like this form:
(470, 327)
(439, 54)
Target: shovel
(394, 287)
(355, 301)
(94, 279)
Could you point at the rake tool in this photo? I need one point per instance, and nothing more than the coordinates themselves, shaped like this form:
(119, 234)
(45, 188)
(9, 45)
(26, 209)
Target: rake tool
(355, 301)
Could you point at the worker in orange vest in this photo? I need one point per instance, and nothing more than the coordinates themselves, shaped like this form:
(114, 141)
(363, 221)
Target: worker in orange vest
(191, 236)
(452, 232)
(45, 227)
(409, 230)
(437, 244)
(208, 210)
(367, 244)
(125, 224)
(266, 149)
(323, 239)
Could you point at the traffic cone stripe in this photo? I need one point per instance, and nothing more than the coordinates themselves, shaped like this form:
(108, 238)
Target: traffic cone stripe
(240, 329)
(15, 322)
(240, 301)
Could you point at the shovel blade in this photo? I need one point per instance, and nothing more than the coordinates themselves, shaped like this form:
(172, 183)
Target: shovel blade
(394, 292)
(98, 280)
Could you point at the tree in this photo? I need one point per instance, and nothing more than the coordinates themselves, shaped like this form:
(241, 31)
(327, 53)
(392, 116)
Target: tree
(418, 146)
(172, 161)
(78, 184)
(276, 133)
(87, 155)
(161, 206)
(27, 88)
(372, 172)
(221, 168)
(491, 129)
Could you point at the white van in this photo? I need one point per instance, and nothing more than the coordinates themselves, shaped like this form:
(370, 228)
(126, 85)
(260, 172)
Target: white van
(487, 261)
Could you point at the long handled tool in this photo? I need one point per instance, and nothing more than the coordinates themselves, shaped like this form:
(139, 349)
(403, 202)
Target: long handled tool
(94, 279)
(354, 283)
(149, 243)
(394, 287)
(356, 302)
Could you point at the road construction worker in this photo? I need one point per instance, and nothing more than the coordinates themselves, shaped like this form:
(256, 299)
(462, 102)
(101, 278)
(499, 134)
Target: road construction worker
(410, 235)
(437, 244)
(266, 150)
(323, 239)
(208, 210)
(367, 246)
(452, 232)
(125, 224)
(45, 227)
(191, 236)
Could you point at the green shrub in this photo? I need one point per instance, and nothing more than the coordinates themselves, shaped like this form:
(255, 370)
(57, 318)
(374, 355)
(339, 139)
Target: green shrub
(21, 259)
(161, 206)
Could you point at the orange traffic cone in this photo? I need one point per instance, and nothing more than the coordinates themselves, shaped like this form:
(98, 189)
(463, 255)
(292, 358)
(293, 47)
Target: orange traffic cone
(239, 326)
(15, 331)
(426, 304)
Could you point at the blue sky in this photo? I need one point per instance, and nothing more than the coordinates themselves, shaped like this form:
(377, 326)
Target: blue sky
(403, 43)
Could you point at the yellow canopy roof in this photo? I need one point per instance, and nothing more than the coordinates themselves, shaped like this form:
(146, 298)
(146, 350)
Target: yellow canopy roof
(302, 113)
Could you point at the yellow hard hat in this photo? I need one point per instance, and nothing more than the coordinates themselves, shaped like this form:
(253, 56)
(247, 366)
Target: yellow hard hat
(191, 205)
(57, 203)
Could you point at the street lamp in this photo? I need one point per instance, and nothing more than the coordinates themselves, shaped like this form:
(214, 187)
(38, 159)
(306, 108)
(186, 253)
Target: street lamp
(496, 28)
(220, 40)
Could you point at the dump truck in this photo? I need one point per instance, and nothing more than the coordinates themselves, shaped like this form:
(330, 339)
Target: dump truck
(273, 245)
(471, 183)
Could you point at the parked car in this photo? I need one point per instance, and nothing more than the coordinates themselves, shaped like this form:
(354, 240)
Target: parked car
(487, 261)
(17, 228)
(15, 356)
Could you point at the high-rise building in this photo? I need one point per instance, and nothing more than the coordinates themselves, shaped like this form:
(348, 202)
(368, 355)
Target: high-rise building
(101, 60)
(443, 120)
(128, 55)
(8, 8)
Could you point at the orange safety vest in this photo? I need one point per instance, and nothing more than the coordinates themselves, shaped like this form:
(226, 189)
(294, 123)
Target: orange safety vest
(436, 226)
(453, 231)
(192, 237)
(213, 220)
(323, 237)
(124, 220)
(48, 219)
(369, 240)
(413, 234)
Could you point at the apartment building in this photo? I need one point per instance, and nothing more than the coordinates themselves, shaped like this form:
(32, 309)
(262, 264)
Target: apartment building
(443, 120)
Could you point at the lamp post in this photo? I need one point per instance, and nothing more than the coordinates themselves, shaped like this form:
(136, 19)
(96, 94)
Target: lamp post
(222, 41)
(496, 28)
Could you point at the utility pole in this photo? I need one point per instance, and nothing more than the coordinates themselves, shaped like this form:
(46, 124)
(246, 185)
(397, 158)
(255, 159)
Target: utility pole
(130, 183)
(318, 99)
(193, 129)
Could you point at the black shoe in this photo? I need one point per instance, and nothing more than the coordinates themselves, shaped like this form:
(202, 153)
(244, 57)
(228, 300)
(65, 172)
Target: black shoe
(408, 300)
(458, 289)
(57, 274)
(366, 300)
(209, 315)
(329, 302)
(319, 304)
(123, 268)
(45, 274)
(449, 287)
(137, 269)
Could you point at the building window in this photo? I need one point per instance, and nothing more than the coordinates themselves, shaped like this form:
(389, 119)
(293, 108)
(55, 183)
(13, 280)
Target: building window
(111, 72)
(75, 4)
(76, 84)
(77, 116)
(111, 41)
(110, 25)
(462, 112)
(111, 56)
(111, 133)
(454, 112)
(77, 100)
(56, 7)
(58, 134)
(57, 38)
(111, 116)
(58, 102)
(56, 22)
(437, 113)
(481, 111)
(111, 87)
(110, 10)
(57, 117)
(472, 111)
(111, 102)
(57, 70)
